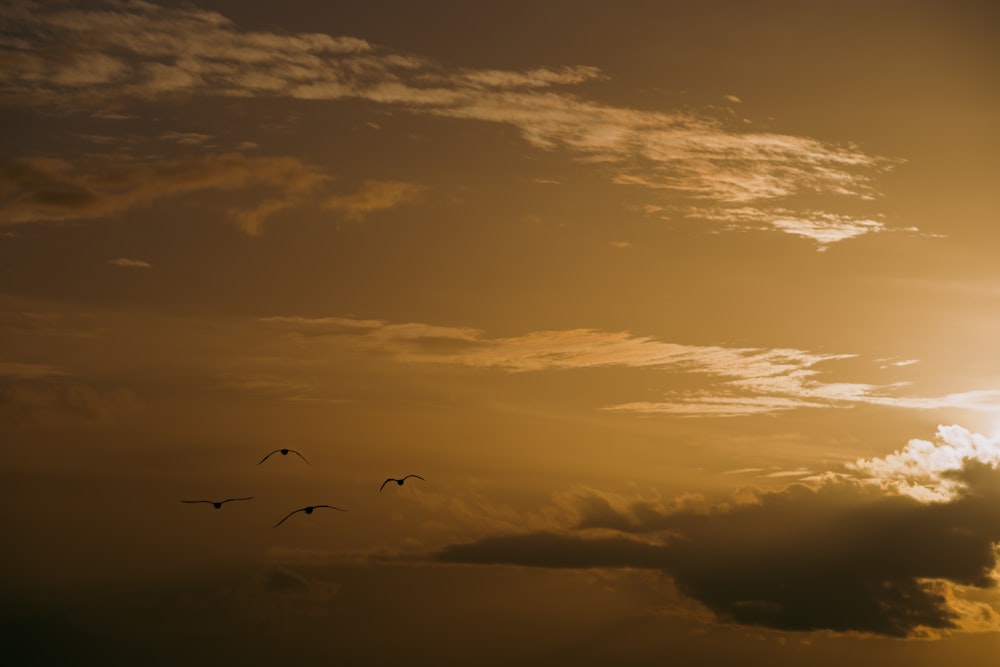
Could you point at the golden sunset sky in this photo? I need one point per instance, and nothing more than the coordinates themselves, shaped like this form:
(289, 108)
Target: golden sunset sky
(685, 312)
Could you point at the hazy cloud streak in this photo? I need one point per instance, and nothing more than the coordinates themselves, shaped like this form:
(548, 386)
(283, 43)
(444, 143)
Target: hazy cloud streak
(745, 381)
(374, 196)
(127, 263)
(49, 189)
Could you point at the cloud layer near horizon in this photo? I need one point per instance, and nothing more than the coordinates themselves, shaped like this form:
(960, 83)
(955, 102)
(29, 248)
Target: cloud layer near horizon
(840, 555)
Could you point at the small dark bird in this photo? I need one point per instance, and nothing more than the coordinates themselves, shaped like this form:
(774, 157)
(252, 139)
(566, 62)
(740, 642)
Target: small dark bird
(307, 510)
(284, 452)
(216, 503)
(399, 481)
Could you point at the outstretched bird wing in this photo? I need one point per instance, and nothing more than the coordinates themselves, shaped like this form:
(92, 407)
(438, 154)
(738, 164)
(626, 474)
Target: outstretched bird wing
(300, 455)
(386, 482)
(331, 507)
(229, 500)
(268, 456)
(417, 476)
(198, 501)
(286, 516)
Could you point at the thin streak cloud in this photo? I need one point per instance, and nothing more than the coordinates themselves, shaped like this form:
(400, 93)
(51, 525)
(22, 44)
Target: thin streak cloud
(743, 381)
(127, 263)
(822, 227)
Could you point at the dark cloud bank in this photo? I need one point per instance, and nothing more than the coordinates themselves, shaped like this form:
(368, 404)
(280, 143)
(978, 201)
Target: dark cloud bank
(840, 556)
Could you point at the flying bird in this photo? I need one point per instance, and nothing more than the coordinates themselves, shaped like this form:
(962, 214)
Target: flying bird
(307, 510)
(216, 503)
(400, 481)
(284, 452)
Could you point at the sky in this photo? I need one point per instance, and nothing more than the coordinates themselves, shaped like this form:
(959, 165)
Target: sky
(683, 313)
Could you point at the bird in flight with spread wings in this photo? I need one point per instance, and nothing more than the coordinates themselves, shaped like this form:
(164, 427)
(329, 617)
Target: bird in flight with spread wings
(284, 452)
(307, 510)
(217, 503)
(399, 481)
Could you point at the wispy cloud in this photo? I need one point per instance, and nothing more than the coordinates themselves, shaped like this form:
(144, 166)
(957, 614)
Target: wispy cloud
(136, 51)
(834, 555)
(127, 263)
(725, 381)
(822, 227)
(795, 391)
(374, 196)
(548, 350)
(49, 189)
(27, 370)
(186, 138)
(52, 403)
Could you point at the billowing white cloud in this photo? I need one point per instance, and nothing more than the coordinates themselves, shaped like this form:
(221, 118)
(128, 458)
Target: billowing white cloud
(927, 470)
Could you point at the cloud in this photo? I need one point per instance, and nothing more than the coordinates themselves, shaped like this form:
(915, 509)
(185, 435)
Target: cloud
(51, 403)
(374, 196)
(547, 350)
(822, 227)
(186, 138)
(48, 189)
(553, 550)
(537, 78)
(124, 262)
(101, 60)
(22, 318)
(740, 381)
(837, 555)
(793, 388)
(280, 592)
(929, 470)
(23, 370)
(790, 392)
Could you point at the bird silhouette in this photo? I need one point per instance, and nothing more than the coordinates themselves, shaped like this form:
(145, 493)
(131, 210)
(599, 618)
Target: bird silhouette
(307, 510)
(284, 452)
(400, 481)
(216, 503)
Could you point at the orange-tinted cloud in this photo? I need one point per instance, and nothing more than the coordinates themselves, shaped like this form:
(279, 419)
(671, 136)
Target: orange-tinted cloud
(372, 197)
(127, 263)
(143, 52)
(742, 381)
(837, 555)
(48, 189)
(55, 403)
